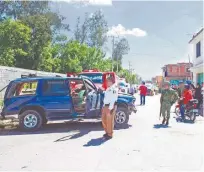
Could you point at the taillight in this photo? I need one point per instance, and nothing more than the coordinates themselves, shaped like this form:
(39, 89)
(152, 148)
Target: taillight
(194, 105)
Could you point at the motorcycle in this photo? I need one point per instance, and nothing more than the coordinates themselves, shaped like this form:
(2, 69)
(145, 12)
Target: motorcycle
(191, 110)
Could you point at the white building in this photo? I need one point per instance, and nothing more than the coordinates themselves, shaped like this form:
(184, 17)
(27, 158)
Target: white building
(197, 46)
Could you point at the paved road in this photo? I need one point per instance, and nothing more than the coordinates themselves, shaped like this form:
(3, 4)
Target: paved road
(78, 146)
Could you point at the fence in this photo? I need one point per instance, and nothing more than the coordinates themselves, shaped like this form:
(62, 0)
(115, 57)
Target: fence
(8, 74)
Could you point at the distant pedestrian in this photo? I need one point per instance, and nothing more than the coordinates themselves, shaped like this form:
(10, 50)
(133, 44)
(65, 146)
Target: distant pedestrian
(168, 98)
(202, 89)
(132, 90)
(197, 93)
(109, 108)
(143, 93)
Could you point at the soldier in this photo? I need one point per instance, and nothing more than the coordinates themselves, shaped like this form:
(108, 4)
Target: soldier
(168, 98)
(108, 111)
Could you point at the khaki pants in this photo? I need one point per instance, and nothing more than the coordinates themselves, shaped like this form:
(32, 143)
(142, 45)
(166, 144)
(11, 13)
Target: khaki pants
(108, 120)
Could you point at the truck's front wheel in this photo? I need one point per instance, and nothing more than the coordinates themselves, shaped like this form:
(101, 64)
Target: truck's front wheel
(121, 117)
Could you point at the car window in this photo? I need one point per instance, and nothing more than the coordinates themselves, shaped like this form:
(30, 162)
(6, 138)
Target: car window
(95, 77)
(89, 85)
(55, 87)
(22, 89)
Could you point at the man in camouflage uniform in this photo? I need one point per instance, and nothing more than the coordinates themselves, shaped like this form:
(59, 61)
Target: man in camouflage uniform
(168, 98)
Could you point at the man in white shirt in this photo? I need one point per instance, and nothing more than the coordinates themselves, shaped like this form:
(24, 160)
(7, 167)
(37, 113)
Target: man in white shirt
(109, 108)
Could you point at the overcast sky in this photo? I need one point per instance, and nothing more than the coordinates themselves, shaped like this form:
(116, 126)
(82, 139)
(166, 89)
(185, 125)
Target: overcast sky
(158, 32)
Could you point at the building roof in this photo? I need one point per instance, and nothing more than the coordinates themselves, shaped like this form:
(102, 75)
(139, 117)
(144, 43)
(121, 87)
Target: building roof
(195, 35)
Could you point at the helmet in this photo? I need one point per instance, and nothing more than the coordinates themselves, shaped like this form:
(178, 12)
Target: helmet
(187, 86)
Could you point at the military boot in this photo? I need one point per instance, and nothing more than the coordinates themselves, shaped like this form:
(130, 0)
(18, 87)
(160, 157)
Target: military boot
(167, 122)
(163, 122)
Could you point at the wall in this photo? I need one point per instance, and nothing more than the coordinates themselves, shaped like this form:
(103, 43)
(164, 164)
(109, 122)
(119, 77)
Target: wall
(178, 70)
(8, 74)
(197, 60)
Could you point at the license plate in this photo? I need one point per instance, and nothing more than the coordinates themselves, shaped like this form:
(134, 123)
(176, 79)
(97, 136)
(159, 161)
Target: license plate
(195, 110)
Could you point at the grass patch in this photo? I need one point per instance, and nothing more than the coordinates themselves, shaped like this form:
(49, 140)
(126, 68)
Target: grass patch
(8, 123)
(1, 103)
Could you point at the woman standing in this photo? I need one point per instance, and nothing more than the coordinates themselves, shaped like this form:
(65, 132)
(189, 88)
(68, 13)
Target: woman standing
(198, 94)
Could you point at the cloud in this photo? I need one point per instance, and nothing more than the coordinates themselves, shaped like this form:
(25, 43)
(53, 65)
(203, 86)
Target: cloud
(120, 30)
(90, 2)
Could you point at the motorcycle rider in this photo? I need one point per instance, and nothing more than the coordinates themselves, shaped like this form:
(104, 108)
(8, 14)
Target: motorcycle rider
(187, 96)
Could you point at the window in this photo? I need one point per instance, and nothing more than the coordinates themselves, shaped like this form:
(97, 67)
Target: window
(174, 69)
(55, 87)
(95, 77)
(187, 69)
(23, 89)
(198, 49)
(89, 85)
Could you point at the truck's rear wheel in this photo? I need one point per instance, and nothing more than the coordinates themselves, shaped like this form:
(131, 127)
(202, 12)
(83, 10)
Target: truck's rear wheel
(30, 120)
(121, 117)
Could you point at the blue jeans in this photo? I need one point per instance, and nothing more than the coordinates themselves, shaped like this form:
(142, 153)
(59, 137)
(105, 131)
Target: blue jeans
(182, 110)
(142, 99)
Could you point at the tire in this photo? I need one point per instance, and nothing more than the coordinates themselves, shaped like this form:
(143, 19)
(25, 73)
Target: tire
(44, 121)
(36, 120)
(192, 116)
(121, 117)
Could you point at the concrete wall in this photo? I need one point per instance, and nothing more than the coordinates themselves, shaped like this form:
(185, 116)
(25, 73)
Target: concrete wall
(8, 74)
(197, 61)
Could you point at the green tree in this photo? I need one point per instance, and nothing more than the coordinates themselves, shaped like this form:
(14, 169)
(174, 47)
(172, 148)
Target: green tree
(44, 25)
(14, 38)
(49, 63)
(93, 31)
(70, 57)
(121, 48)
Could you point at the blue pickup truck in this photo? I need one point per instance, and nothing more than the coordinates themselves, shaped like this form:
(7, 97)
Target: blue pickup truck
(37, 100)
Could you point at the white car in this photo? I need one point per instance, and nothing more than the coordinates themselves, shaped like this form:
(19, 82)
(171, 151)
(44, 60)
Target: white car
(123, 87)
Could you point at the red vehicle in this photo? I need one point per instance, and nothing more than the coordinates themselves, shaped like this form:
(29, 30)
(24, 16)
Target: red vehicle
(98, 78)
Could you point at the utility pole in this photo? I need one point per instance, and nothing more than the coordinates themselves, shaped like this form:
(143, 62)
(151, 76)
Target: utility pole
(129, 67)
(130, 71)
(113, 47)
(191, 73)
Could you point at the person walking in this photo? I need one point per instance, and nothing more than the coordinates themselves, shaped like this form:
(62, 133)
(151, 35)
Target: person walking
(143, 93)
(109, 108)
(132, 91)
(197, 94)
(168, 98)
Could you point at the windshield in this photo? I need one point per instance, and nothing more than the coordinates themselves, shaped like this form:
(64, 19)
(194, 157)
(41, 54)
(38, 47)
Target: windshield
(122, 84)
(148, 86)
(95, 77)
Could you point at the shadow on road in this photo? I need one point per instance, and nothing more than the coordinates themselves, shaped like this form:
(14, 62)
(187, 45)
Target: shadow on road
(83, 130)
(81, 127)
(95, 142)
(186, 121)
(158, 126)
(74, 130)
(124, 127)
